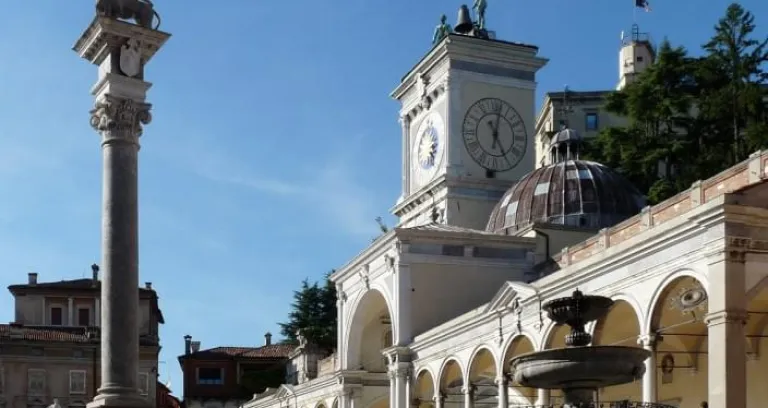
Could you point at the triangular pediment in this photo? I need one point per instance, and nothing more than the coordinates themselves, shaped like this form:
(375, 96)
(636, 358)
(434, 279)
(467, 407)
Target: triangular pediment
(508, 293)
(283, 391)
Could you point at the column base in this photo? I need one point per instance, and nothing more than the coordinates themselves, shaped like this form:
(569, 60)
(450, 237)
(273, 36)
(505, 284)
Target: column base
(119, 397)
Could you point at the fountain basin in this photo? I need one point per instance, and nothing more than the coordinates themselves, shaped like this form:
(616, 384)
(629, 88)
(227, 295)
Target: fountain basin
(588, 367)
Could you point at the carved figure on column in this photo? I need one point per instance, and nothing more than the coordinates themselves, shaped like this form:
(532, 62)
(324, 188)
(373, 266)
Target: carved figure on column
(130, 58)
(122, 118)
(141, 11)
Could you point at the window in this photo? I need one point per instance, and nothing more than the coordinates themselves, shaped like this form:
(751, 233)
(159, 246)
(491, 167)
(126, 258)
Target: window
(57, 316)
(639, 58)
(591, 122)
(35, 382)
(77, 381)
(210, 376)
(84, 316)
(143, 383)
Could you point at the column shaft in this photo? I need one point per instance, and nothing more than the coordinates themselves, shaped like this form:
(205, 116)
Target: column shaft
(469, 400)
(648, 342)
(542, 399)
(119, 288)
(503, 397)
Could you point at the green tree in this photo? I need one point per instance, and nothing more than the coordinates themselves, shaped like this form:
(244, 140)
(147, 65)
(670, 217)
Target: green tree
(653, 150)
(732, 88)
(313, 311)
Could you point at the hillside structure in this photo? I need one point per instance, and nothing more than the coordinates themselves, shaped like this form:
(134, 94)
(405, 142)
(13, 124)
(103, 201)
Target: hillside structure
(493, 223)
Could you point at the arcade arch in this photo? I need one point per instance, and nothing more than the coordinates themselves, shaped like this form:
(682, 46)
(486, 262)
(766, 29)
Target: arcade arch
(757, 346)
(517, 394)
(369, 331)
(424, 390)
(451, 384)
(677, 320)
(619, 327)
(482, 377)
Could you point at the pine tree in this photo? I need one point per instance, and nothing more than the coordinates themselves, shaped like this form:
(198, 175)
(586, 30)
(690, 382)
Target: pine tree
(732, 79)
(313, 312)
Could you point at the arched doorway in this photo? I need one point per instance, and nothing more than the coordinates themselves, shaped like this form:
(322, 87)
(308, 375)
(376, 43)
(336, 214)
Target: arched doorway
(424, 390)
(482, 378)
(451, 384)
(757, 346)
(619, 327)
(677, 317)
(370, 331)
(517, 394)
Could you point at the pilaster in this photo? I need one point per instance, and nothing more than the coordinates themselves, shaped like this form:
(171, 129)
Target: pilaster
(725, 320)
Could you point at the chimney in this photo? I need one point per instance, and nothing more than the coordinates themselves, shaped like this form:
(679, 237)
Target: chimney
(148, 285)
(95, 272)
(187, 344)
(32, 278)
(195, 346)
(268, 339)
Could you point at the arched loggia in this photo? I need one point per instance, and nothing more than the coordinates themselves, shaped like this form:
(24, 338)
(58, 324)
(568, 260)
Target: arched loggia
(369, 331)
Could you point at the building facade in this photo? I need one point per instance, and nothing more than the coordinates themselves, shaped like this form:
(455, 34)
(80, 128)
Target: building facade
(225, 377)
(52, 349)
(432, 312)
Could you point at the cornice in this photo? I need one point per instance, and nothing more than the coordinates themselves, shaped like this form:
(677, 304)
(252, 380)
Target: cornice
(374, 250)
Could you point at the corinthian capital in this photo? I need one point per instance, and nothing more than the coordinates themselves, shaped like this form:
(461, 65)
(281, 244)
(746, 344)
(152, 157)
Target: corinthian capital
(120, 118)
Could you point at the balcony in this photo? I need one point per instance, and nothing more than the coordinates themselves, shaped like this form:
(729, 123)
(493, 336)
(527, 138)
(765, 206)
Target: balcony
(326, 365)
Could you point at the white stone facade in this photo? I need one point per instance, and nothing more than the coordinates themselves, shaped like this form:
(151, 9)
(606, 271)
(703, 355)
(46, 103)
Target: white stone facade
(431, 313)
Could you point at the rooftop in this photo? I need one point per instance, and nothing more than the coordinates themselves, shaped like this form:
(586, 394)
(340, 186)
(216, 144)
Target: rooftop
(272, 351)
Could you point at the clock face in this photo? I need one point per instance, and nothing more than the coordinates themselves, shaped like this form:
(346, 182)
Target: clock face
(428, 147)
(494, 134)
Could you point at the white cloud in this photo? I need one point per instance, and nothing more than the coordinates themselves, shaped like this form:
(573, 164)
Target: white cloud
(329, 188)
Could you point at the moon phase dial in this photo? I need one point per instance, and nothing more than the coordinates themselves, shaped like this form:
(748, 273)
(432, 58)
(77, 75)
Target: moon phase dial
(494, 134)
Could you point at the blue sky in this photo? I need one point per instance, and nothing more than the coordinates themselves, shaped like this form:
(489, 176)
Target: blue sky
(274, 144)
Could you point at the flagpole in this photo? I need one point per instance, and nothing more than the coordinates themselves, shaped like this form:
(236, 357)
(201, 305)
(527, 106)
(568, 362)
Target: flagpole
(634, 12)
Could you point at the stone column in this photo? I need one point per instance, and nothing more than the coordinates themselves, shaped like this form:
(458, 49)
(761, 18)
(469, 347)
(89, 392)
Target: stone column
(726, 337)
(121, 51)
(469, 396)
(438, 399)
(503, 392)
(543, 397)
(648, 342)
(399, 385)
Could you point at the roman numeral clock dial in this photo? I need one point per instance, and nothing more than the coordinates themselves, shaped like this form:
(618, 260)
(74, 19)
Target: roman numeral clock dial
(494, 134)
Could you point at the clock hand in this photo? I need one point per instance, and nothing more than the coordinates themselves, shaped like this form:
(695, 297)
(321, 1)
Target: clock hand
(496, 129)
(494, 134)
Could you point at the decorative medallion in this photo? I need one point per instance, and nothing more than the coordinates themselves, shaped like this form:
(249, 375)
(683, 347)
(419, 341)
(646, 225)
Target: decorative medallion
(689, 299)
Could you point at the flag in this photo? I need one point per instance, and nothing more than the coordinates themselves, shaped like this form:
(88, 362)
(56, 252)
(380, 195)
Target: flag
(643, 4)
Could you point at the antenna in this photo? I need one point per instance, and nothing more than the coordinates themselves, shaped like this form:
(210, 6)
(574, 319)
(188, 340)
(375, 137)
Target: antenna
(565, 109)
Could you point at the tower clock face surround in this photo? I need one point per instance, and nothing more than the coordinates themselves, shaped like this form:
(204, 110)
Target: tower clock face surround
(428, 147)
(494, 134)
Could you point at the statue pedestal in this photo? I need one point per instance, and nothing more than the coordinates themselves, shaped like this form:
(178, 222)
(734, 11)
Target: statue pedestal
(121, 50)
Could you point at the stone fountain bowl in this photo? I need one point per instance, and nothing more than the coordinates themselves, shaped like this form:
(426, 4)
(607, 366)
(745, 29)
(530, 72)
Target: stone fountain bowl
(579, 367)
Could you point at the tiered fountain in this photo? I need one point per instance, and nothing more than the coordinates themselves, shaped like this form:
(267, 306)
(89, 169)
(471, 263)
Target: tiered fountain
(579, 369)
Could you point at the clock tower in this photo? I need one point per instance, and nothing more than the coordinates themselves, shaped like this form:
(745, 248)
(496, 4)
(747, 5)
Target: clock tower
(467, 116)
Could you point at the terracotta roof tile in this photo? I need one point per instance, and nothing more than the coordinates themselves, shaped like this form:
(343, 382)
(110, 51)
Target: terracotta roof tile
(266, 352)
(63, 334)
